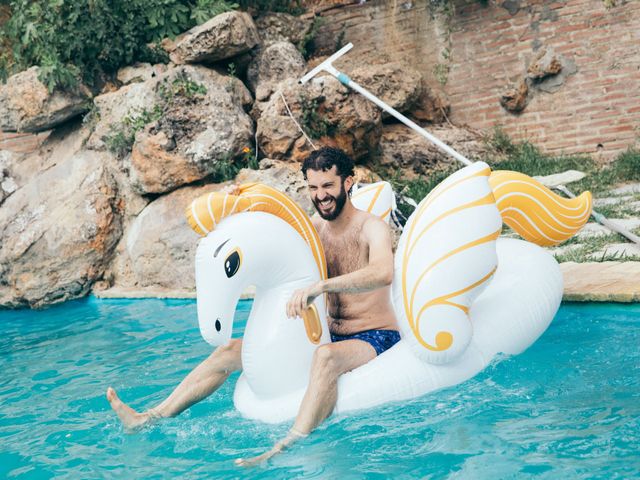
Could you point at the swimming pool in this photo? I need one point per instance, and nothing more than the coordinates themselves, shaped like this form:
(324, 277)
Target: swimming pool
(568, 407)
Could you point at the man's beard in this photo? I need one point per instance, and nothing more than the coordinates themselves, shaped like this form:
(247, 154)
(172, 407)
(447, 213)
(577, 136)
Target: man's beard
(338, 203)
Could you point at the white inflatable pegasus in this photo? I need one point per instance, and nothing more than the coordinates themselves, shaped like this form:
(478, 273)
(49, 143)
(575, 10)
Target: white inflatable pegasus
(461, 294)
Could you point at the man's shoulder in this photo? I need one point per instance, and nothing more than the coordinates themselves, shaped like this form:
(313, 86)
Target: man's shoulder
(373, 226)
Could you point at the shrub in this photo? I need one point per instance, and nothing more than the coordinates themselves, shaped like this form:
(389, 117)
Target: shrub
(82, 39)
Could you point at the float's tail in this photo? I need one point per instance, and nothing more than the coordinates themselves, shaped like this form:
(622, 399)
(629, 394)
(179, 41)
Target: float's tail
(535, 212)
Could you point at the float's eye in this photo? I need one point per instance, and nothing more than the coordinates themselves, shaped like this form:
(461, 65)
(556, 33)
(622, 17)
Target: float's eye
(232, 263)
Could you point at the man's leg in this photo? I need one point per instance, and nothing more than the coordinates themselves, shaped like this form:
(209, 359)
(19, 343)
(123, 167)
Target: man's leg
(329, 362)
(201, 382)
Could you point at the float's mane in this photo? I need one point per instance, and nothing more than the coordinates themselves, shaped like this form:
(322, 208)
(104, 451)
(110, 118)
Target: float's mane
(208, 210)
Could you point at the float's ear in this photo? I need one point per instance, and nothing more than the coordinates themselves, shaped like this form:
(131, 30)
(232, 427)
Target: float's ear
(206, 211)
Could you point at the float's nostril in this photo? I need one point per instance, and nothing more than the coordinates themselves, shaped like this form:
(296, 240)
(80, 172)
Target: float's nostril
(218, 326)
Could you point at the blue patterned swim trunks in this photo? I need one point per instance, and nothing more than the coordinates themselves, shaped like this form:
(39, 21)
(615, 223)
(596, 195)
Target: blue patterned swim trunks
(380, 340)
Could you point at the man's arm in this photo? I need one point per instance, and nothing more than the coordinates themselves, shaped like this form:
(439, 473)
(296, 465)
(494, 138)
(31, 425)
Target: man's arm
(378, 272)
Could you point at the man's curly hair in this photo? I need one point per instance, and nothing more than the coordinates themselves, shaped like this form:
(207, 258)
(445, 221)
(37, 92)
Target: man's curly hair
(325, 158)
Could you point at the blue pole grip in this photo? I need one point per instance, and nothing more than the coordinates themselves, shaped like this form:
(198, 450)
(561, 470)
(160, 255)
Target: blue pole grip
(344, 79)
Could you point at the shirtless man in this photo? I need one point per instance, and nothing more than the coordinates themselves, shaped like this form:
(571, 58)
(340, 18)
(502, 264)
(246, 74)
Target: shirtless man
(359, 255)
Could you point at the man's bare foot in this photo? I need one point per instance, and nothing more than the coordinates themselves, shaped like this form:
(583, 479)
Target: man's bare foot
(131, 419)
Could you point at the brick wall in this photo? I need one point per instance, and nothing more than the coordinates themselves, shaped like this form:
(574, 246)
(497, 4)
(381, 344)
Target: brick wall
(484, 50)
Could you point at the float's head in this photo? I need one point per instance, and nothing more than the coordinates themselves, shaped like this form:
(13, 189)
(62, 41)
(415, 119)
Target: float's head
(219, 262)
(234, 242)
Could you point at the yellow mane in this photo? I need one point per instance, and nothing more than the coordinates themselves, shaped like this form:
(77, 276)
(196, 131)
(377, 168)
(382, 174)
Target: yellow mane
(206, 211)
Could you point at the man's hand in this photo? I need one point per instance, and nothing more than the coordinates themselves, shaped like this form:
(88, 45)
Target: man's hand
(302, 298)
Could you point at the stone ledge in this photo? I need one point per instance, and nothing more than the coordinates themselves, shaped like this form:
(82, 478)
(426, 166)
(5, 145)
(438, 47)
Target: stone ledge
(583, 282)
(128, 293)
(601, 281)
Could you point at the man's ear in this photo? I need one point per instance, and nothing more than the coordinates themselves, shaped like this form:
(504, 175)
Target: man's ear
(348, 183)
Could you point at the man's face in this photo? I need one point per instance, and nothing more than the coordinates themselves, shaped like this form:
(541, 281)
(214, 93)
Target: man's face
(328, 192)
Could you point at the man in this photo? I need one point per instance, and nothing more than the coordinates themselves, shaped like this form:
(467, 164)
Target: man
(361, 319)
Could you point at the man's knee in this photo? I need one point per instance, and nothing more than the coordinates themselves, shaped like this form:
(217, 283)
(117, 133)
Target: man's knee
(230, 352)
(324, 361)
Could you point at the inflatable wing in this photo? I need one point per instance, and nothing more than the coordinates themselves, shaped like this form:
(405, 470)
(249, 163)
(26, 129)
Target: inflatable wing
(377, 198)
(445, 258)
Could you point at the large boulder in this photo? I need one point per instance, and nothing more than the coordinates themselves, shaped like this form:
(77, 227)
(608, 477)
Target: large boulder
(396, 84)
(273, 64)
(282, 27)
(157, 250)
(18, 169)
(224, 36)
(26, 105)
(327, 111)
(195, 118)
(113, 108)
(402, 148)
(284, 176)
(58, 231)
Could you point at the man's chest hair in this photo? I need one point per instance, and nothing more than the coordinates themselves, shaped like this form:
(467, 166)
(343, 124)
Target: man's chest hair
(345, 253)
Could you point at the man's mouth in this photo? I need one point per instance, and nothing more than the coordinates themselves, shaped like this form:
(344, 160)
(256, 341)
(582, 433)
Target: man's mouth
(326, 204)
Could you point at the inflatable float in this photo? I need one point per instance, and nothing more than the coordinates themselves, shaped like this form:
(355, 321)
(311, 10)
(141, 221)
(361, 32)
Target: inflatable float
(462, 295)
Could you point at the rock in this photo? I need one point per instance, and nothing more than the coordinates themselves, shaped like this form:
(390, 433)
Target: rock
(224, 36)
(202, 122)
(27, 106)
(606, 201)
(563, 178)
(273, 64)
(544, 64)
(62, 143)
(282, 27)
(155, 168)
(157, 250)
(552, 83)
(140, 72)
(515, 99)
(283, 176)
(7, 182)
(402, 148)
(329, 113)
(595, 229)
(113, 107)
(57, 232)
(601, 282)
(396, 84)
(431, 107)
(626, 189)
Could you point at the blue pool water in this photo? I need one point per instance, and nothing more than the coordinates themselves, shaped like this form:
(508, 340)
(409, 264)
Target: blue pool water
(569, 407)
